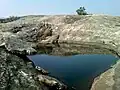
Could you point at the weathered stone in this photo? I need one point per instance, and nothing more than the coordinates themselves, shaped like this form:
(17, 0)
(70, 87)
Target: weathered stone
(105, 81)
(52, 82)
(17, 45)
(16, 75)
(74, 49)
(41, 70)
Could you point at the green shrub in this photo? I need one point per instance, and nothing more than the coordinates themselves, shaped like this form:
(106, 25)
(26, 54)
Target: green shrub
(81, 11)
(10, 19)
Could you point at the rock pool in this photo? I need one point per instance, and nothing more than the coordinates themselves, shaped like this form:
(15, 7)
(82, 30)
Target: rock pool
(77, 71)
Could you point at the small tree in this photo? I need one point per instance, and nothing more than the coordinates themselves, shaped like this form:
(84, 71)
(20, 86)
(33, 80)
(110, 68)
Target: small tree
(81, 11)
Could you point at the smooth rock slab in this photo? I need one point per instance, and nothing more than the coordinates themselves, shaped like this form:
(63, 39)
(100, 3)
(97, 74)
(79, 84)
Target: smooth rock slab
(109, 80)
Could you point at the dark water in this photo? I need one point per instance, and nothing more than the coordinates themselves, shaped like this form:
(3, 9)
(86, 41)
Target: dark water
(75, 71)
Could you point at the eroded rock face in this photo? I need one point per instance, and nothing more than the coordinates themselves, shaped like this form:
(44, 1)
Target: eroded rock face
(98, 29)
(17, 73)
(74, 49)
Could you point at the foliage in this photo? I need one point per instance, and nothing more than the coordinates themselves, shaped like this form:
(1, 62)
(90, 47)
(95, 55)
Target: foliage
(10, 19)
(81, 11)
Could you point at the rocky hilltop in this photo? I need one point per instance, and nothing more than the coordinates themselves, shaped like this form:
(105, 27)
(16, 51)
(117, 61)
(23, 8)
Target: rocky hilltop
(24, 36)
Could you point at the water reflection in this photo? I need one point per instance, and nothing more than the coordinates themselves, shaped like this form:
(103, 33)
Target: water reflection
(76, 66)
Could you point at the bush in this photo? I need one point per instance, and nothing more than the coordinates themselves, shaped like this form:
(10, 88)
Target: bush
(81, 11)
(10, 19)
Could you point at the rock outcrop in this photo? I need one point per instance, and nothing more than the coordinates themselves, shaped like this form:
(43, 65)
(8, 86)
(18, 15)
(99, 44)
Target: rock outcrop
(23, 36)
(17, 73)
(74, 49)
